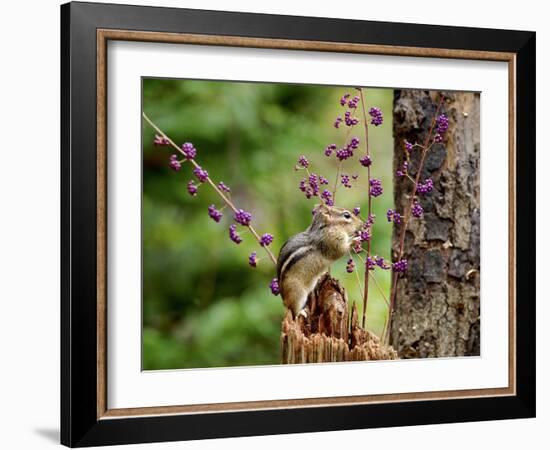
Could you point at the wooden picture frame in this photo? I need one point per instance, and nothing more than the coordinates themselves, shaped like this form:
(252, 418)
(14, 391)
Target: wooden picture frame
(86, 418)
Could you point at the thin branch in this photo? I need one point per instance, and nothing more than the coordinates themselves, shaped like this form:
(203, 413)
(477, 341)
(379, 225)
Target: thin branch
(227, 201)
(366, 291)
(425, 149)
(356, 274)
(380, 289)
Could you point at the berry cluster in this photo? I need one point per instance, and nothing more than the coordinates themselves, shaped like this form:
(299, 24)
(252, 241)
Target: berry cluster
(200, 173)
(375, 187)
(376, 116)
(365, 161)
(266, 239)
(174, 164)
(345, 180)
(214, 213)
(302, 162)
(417, 209)
(243, 217)
(160, 140)
(400, 266)
(426, 187)
(326, 195)
(393, 216)
(404, 170)
(223, 187)
(274, 286)
(233, 235)
(189, 151)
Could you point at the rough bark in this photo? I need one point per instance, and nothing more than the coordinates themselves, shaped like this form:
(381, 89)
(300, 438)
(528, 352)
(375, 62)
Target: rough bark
(330, 333)
(437, 301)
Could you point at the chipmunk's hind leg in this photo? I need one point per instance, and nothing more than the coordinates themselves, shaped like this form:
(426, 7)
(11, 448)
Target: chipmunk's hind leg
(295, 298)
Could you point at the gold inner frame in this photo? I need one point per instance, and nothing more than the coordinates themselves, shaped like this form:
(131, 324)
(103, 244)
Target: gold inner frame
(103, 36)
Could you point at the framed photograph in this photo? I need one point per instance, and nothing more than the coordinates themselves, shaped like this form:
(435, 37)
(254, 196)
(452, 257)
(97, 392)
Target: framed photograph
(276, 224)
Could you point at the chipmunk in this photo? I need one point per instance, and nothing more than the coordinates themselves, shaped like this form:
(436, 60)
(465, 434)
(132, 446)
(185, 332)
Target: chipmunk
(308, 255)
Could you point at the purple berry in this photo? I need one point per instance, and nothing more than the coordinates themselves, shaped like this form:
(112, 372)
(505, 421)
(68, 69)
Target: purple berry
(393, 216)
(274, 286)
(192, 188)
(400, 266)
(344, 153)
(174, 164)
(354, 143)
(403, 170)
(365, 161)
(350, 266)
(233, 235)
(350, 121)
(266, 239)
(253, 260)
(188, 150)
(370, 263)
(303, 162)
(376, 116)
(370, 220)
(442, 124)
(313, 184)
(344, 99)
(375, 187)
(243, 217)
(352, 104)
(214, 213)
(223, 187)
(326, 195)
(330, 148)
(380, 262)
(160, 140)
(417, 209)
(201, 174)
(357, 210)
(424, 188)
(345, 180)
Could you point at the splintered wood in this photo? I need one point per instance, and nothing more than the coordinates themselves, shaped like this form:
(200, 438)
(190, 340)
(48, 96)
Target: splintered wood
(328, 333)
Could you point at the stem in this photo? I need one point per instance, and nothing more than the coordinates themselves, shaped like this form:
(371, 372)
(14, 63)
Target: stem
(366, 291)
(348, 132)
(380, 289)
(425, 149)
(336, 181)
(411, 178)
(383, 334)
(227, 201)
(356, 275)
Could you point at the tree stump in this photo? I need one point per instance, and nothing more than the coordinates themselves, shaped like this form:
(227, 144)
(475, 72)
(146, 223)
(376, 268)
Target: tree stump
(437, 301)
(329, 333)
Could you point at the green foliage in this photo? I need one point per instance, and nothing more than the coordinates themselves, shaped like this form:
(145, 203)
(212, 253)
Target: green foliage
(203, 306)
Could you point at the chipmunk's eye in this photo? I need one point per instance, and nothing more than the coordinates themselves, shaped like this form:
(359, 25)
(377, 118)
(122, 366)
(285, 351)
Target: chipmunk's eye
(347, 215)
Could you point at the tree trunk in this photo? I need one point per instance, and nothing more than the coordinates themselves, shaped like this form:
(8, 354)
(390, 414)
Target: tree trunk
(328, 333)
(437, 300)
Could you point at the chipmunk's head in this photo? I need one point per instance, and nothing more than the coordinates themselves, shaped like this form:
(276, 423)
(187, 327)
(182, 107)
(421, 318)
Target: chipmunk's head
(335, 217)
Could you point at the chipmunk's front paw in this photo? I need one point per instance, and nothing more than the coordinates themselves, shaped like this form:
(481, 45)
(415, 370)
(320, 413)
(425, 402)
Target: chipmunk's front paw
(302, 313)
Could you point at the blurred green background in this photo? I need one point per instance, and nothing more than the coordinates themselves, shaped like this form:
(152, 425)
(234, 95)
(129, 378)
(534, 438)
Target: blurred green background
(203, 305)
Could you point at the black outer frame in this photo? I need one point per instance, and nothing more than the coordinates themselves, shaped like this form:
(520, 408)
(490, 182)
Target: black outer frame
(79, 423)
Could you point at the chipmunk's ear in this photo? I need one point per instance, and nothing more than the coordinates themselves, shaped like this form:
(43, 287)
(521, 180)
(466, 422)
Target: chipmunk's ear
(321, 214)
(320, 208)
